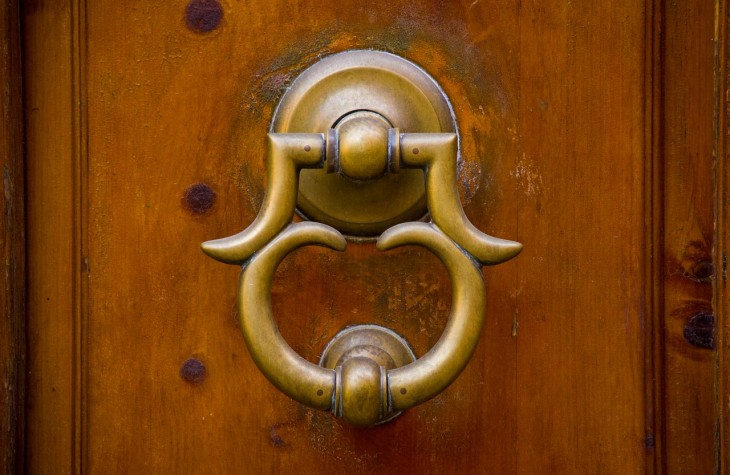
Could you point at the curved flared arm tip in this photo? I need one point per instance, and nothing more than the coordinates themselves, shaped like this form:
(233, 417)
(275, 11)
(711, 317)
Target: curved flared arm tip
(221, 250)
(401, 234)
(487, 250)
(500, 250)
(317, 233)
(235, 250)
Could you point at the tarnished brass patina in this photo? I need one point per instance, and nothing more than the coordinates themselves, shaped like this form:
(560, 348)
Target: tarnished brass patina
(329, 92)
(286, 155)
(367, 344)
(363, 145)
(435, 154)
(364, 390)
(364, 172)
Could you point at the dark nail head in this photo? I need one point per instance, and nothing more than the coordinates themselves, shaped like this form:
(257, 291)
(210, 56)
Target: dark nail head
(193, 371)
(203, 16)
(199, 198)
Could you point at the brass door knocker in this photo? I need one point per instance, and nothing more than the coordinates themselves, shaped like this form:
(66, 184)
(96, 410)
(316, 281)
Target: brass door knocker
(350, 144)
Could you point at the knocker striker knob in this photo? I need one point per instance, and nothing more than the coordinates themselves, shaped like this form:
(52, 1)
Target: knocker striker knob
(362, 151)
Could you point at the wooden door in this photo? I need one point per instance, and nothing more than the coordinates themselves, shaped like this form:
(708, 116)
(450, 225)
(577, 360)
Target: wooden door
(586, 134)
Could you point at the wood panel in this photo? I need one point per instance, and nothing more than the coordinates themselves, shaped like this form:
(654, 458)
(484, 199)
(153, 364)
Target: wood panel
(688, 52)
(194, 108)
(12, 246)
(53, 58)
(146, 126)
(580, 307)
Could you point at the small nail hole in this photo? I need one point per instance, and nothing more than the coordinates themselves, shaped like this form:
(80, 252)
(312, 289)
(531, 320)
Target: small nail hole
(403, 390)
(320, 392)
(415, 151)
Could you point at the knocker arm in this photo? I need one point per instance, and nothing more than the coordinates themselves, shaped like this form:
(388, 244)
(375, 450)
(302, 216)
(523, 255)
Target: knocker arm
(436, 370)
(286, 155)
(289, 372)
(435, 154)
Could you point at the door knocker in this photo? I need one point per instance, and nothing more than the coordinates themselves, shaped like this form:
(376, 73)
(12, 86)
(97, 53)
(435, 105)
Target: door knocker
(350, 145)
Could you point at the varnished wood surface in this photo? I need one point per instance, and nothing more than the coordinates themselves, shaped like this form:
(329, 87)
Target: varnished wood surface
(53, 114)
(12, 246)
(126, 108)
(722, 248)
(686, 240)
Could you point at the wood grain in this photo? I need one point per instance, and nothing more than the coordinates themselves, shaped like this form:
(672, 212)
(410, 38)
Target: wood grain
(687, 236)
(55, 165)
(563, 108)
(541, 392)
(12, 246)
(722, 236)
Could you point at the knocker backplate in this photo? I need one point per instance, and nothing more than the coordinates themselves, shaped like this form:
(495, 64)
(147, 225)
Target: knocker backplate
(396, 89)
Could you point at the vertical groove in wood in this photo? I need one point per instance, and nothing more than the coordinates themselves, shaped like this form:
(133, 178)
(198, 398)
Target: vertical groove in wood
(53, 47)
(722, 239)
(12, 244)
(80, 278)
(653, 347)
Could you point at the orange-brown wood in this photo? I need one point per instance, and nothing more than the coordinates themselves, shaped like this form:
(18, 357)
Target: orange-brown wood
(12, 246)
(686, 239)
(653, 211)
(722, 243)
(53, 116)
(565, 110)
